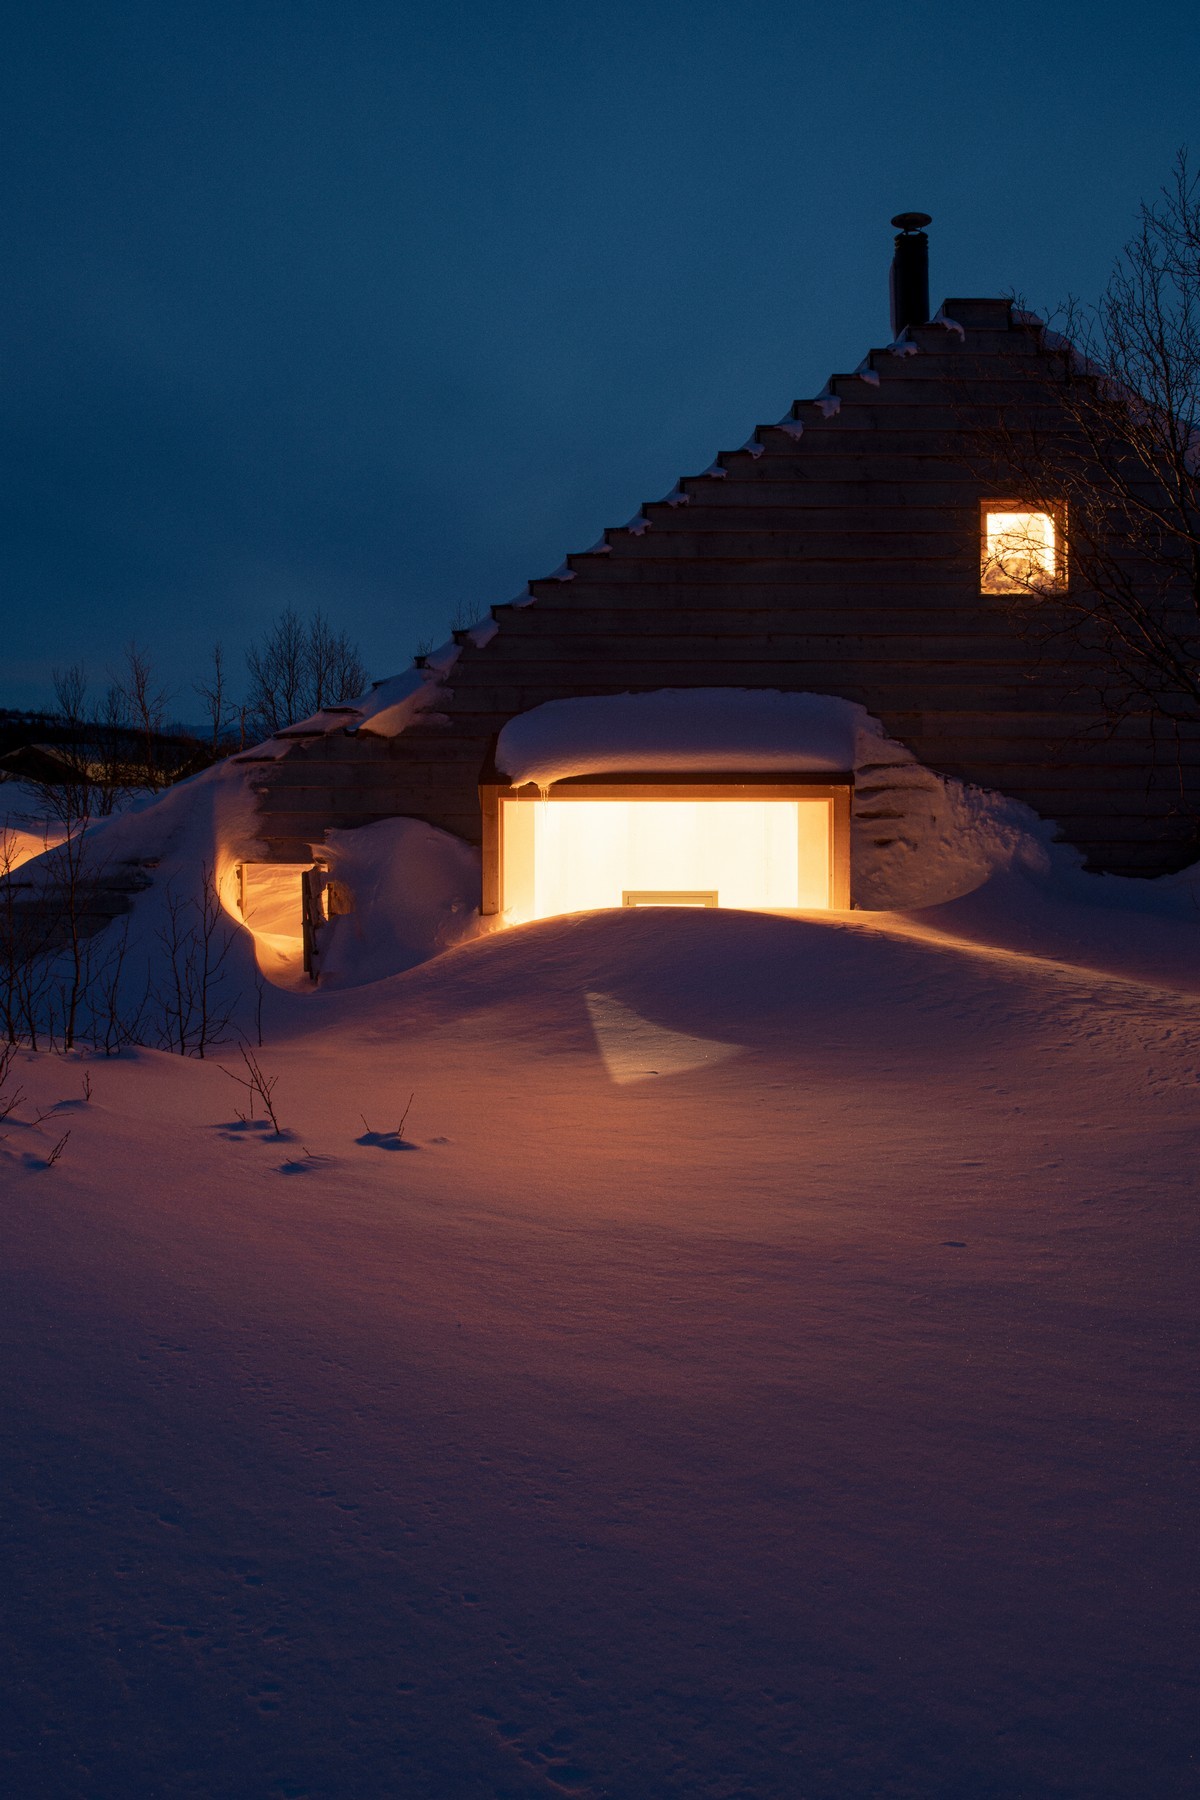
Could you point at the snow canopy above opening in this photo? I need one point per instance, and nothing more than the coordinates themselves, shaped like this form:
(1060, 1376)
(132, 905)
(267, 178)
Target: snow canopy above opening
(689, 729)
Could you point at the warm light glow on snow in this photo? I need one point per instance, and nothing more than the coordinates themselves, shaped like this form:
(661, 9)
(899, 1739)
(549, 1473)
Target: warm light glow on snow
(1020, 552)
(563, 856)
(18, 845)
(636, 1049)
(271, 910)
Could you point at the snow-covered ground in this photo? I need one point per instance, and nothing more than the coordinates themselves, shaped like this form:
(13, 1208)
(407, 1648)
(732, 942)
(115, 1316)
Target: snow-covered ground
(766, 1371)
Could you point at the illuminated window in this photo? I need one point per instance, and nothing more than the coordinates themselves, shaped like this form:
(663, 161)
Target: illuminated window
(1022, 549)
(762, 845)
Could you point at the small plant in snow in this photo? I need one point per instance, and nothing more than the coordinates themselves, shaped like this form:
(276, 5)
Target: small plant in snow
(398, 1133)
(192, 1001)
(9, 1102)
(256, 1082)
(57, 1151)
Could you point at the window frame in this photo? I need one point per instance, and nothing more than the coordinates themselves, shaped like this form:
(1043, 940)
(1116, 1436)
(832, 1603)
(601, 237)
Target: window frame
(1053, 584)
(835, 786)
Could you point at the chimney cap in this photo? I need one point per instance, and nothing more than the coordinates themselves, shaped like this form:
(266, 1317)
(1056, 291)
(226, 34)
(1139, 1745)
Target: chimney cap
(912, 221)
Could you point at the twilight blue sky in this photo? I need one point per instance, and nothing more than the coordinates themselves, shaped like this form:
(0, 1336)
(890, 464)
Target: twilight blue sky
(383, 308)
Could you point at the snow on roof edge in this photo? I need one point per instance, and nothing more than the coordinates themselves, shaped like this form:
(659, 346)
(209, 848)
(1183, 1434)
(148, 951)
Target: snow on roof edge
(826, 402)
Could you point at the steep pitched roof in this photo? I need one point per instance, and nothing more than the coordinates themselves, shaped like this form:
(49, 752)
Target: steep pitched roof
(836, 552)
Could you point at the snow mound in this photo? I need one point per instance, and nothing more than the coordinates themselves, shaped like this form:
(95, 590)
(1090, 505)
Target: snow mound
(413, 889)
(920, 839)
(415, 892)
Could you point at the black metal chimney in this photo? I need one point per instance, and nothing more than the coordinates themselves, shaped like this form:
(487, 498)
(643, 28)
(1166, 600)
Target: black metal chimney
(910, 272)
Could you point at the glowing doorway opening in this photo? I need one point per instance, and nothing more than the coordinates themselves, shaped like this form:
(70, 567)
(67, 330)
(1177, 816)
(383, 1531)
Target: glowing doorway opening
(270, 900)
(582, 853)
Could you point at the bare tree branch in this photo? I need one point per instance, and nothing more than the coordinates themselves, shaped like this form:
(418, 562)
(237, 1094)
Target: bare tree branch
(1113, 442)
(297, 669)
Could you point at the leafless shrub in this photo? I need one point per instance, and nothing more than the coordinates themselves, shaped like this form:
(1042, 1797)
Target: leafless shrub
(114, 775)
(146, 704)
(21, 969)
(70, 798)
(75, 880)
(9, 1101)
(47, 919)
(67, 976)
(398, 1133)
(58, 1149)
(257, 1084)
(119, 1012)
(213, 690)
(194, 1006)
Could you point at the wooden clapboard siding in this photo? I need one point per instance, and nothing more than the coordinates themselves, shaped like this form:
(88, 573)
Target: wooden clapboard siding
(839, 556)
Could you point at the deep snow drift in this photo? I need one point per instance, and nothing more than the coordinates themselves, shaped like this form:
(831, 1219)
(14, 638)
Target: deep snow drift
(764, 1369)
(918, 839)
(663, 1355)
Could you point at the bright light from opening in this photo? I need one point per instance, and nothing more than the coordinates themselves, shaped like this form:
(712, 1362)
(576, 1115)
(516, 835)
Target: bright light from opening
(271, 907)
(1020, 552)
(564, 856)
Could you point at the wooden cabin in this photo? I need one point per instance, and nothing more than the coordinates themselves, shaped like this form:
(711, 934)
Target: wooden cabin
(850, 550)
